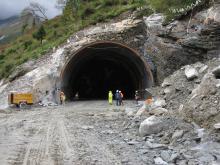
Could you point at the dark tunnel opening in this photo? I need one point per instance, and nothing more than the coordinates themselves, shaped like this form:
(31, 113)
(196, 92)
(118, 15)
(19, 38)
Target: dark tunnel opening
(103, 66)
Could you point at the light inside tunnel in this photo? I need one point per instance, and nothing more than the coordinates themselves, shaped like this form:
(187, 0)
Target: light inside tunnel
(103, 66)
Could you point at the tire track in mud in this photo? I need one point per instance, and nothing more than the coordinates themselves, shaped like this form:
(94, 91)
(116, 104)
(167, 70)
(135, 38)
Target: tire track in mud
(34, 138)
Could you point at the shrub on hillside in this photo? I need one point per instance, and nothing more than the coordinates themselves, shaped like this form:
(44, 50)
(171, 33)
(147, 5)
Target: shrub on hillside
(27, 44)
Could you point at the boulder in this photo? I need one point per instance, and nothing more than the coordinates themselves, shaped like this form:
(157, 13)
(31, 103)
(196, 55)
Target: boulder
(216, 71)
(218, 84)
(141, 111)
(177, 134)
(206, 87)
(151, 125)
(217, 126)
(166, 83)
(158, 103)
(165, 154)
(154, 23)
(158, 111)
(155, 145)
(168, 90)
(191, 72)
(203, 69)
(160, 161)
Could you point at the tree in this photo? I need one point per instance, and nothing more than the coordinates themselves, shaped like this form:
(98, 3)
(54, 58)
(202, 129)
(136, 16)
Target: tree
(35, 10)
(40, 34)
(71, 9)
(24, 27)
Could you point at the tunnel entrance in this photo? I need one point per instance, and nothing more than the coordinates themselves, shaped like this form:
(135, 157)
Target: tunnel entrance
(103, 66)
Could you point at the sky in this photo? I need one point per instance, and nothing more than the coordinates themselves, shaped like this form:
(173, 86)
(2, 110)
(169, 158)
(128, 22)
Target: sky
(10, 8)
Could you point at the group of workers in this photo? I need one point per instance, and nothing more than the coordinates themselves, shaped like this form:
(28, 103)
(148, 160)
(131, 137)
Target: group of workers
(118, 97)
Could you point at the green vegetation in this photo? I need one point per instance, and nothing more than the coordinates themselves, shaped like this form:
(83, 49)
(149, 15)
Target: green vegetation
(77, 15)
(175, 8)
(40, 34)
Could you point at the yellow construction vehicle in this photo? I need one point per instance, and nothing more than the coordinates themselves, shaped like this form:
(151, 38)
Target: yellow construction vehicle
(20, 99)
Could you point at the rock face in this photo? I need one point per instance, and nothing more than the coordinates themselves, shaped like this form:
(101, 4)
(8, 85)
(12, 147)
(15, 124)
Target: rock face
(182, 42)
(195, 99)
(203, 105)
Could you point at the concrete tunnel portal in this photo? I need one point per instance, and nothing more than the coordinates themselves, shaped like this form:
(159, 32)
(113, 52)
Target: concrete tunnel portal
(99, 67)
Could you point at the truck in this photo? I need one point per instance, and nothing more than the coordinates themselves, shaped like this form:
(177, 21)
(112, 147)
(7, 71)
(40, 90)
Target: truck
(20, 99)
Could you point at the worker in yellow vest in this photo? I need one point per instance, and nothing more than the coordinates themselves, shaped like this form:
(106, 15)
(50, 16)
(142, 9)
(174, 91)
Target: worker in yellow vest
(110, 97)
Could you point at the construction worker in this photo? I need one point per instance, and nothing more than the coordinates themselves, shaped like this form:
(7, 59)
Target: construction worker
(62, 98)
(121, 98)
(117, 98)
(137, 96)
(110, 97)
(148, 102)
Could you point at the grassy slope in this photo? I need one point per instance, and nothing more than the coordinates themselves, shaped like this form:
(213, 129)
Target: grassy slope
(90, 12)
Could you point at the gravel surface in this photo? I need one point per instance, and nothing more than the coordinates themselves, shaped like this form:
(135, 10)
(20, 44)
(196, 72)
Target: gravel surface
(77, 133)
(94, 133)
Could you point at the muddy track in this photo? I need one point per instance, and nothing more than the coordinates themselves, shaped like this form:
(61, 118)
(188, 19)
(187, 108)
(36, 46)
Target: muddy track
(79, 133)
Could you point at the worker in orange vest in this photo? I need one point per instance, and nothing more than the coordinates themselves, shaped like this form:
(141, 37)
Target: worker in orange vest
(62, 98)
(148, 102)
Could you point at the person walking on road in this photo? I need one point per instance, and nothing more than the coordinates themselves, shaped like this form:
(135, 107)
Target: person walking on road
(121, 98)
(110, 97)
(117, 98)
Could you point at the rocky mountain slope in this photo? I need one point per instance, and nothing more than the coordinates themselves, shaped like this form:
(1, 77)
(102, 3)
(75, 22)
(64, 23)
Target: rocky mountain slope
(11, 28)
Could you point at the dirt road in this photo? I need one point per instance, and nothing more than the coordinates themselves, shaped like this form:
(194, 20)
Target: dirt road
(78, 133)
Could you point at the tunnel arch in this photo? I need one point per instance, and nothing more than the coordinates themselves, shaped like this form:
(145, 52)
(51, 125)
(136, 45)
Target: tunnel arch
(101, 66)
